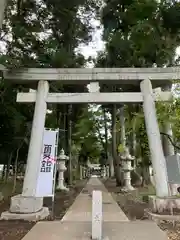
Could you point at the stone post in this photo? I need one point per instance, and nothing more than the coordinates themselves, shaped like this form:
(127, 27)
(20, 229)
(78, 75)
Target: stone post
(61, 166)
(127, 168)
(97, 216)
(35, 146)
(154, 138)
(3, 4)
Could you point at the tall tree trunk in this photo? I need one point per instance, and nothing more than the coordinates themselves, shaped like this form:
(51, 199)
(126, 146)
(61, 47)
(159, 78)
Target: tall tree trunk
(111, 166)
(3, 4)
(116, 159)
(70, 144)
(16, 164)
(15, 170)
(66, 129)
(100, 135)
(145, 175)
(59, 124)
(134, 147)
(106, 133)
(8, 167)
(3, 177)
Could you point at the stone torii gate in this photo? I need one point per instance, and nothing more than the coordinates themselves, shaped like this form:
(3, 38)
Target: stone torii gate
(144, 78)
(27, 205)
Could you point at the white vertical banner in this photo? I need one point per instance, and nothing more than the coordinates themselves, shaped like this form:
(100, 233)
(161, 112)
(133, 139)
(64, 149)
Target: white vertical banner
(46, 180)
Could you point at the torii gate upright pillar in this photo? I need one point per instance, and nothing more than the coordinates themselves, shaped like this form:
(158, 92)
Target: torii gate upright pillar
(35, 146)
(26, 205)
(154, 138)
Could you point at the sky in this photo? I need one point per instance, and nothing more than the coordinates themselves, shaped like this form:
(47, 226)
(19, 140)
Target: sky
(96, 45)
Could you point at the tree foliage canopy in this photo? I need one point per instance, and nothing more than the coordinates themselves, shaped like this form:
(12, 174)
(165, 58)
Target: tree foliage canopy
(140, 33)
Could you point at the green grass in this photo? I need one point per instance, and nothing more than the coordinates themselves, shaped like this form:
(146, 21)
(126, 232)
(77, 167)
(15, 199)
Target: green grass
(142, 193)
(148, 190)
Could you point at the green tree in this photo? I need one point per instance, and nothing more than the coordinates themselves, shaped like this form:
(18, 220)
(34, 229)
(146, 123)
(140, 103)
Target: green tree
(87, 135)
(140, 33)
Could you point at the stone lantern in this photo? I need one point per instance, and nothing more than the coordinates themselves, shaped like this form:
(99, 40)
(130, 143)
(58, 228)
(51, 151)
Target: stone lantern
(61, 166)
(127, 168)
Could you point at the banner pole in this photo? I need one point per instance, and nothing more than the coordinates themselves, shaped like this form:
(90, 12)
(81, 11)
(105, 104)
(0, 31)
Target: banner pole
(53, 194)
(54, 178)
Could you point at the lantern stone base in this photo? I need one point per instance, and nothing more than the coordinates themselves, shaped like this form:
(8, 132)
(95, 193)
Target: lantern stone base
(26, 208)
(62, 187)
(127, 180)
(127, 188)
(160, 205)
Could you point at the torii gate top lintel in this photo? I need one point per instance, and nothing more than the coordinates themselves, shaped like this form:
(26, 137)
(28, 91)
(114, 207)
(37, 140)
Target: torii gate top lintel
(122, 76)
